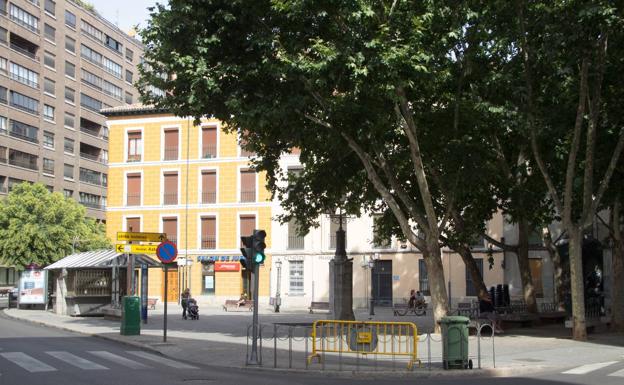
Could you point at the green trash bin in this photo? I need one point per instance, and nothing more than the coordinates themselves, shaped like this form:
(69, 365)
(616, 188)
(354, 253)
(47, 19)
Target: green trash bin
(131, 316)
(455, 342)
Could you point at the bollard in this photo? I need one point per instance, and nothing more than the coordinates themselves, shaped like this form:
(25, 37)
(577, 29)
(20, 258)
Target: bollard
(372, 307)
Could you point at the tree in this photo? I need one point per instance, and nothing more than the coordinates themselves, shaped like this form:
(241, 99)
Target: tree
(40, 227)
(375, 94)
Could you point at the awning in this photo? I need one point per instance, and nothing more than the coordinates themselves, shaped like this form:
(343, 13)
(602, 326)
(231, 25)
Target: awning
(101, 259)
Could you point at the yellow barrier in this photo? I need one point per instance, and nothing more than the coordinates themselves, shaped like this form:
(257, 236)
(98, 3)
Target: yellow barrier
(365, 337)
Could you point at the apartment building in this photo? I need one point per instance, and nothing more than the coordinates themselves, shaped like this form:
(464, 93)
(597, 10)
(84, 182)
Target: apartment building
(60, 64)
(194, 183)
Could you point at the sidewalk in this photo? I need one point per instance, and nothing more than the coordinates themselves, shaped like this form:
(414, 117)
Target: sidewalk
(219, 338)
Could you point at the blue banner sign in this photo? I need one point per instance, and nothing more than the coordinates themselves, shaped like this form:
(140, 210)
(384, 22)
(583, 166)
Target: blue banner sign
(219, 258)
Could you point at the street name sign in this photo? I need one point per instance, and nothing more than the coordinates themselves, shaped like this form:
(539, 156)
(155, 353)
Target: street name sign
(141, 237)
(136, 249)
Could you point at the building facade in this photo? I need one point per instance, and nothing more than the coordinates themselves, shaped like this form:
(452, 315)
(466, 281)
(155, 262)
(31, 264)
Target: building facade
(60, 63)
(194, 183)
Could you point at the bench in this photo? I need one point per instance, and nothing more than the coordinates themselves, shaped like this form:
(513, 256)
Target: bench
(232, 305)
(151, 303)
(318, 306)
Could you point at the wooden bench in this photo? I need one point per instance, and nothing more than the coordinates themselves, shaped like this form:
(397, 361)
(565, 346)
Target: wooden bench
(151, 303)
(318, 306)
(232, 305)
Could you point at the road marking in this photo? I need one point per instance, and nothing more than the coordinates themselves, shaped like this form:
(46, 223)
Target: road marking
(76, 361)
(119, 359)
(27, 362)
(619, 373)
(161, 360)
(589, 368)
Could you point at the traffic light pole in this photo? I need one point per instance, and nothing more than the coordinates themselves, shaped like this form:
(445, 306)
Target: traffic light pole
(253, 357)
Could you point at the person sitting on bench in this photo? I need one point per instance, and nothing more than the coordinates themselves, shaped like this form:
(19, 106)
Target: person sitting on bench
(241, 300)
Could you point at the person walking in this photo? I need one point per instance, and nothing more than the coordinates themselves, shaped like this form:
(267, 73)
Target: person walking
(186, 294)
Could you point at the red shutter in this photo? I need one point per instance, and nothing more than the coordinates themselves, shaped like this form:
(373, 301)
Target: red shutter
(133, 225)
(171, 188)
(209, 142)
(209, 232)
(248, 186)
(171, 144)
(170, 227)
(209, 186)
(247, 225)
(134, 189)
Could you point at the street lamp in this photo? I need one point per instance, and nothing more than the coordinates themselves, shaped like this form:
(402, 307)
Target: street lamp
(278, 299)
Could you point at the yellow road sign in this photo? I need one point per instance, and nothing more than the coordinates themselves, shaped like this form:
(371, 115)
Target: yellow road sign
(136, 249)
(141, 237)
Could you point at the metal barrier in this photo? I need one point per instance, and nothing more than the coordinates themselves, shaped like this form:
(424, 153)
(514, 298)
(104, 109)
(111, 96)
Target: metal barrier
(365, 337)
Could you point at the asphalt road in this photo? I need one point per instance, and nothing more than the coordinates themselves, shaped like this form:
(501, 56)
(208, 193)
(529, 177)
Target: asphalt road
(32, 354)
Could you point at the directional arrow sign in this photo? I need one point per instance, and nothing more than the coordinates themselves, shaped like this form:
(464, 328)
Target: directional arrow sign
(136, 249)
(142, 237)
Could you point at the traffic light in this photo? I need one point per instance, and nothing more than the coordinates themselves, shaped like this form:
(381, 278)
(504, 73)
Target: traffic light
(258, 246)
(247, 251)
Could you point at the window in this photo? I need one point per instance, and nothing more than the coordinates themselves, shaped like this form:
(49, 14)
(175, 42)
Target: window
(112, 90)
(24, 102)
(135, 146)
(334, 222)
(113, 44)
(209, 142)
(209, 186)
(295, 241)
(4, 65)
(68, 146)
(3, 94)
(3, 35)
(170, 227)
(3, 124)
(90, 176)
(22, 159)
(477, 242)
(247, 225)
(171, 145)
(23, 18)
(68, 171)
(49, 59)
(48, 140)
(68, 193)
(90, 103)
(48, 112)
(70, 44)
(535, 265)
(50, 7)
(243, 142)
(379, 241)
(48, 166)
(92, 31)
(91, 79)
(470, 288)
(129, 54)
(208, 233)
(91, 55)
(295, 277)
(129, 98)
(170, 196)
(133, 195)
(49, 32)
(112, 67)
(423, 278)
(24, 75)
(129, 76)
(247, 186)
(49, 86)
(70, 120)
(24, 131)
(70, 69)
(70, 95)
(70, 19)
(90, 200)
(208, 278)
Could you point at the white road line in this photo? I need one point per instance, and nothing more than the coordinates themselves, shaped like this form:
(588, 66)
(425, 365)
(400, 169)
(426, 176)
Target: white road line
(27, 362)
(161, 360)
(119, 359)
(76, 361)
(589, 368)
(619, 373)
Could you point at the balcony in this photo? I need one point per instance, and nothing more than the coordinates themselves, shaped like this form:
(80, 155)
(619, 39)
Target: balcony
(295, 242)
(209, 243)
(93, 205)
(209, 197)
(93, 158)
(24, 51)
(248, 196)
(173, 239)
(23, 137)
(134, 157)
(133, 200)
(209, 151)
(22, 23)
(171, 153)
(90, 131)
(24, 80)
(25, 164)
(170, 199)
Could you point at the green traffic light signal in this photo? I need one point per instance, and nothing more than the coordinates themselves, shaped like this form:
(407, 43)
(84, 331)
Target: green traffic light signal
(258, 246)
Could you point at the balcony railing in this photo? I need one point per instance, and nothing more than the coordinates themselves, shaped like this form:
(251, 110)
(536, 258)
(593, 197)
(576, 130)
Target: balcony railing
(173, 239)
(24, 137)
(94, 158)
(295, 242)
(24, 80)
(208, 243)
(209, 151)
(31, 28)
(209, 197)
(134, 157)
(3, 159)
(133, 200)
(24, 108)
(248, 196)
(90, 131)
(171, 153)
(24, 164)
(24, 51)
(170, 198)
(93, 205)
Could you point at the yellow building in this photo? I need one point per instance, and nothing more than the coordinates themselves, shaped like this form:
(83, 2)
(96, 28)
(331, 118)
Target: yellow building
(192, 182)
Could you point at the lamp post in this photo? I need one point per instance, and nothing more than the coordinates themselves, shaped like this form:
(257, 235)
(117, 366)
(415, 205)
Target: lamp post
(278, 299)
(341, 276)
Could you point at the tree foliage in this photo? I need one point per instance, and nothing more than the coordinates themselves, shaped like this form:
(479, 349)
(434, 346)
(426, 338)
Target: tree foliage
(40, 227)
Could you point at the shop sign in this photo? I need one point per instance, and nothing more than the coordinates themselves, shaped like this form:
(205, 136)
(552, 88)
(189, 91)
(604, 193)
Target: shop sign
(219, 258)
(227, 266)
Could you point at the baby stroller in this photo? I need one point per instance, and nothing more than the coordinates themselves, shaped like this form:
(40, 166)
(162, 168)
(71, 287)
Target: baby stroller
(192, 309)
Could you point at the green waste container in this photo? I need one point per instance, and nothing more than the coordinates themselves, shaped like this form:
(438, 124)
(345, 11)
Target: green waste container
(455, 342)
(131, 316)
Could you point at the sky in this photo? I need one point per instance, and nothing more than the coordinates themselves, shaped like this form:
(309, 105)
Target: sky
(125, 13)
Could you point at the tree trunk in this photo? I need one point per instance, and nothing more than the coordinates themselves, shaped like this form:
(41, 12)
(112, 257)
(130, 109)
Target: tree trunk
(617, 264)
(437, 283)
(577, 283)
(471, 265)
(528, 290)
(555, 257)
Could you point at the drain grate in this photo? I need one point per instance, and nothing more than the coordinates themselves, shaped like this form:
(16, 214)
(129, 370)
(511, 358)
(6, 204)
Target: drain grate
(528, 360)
